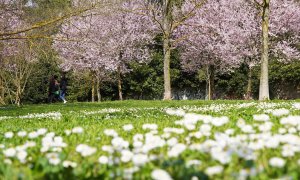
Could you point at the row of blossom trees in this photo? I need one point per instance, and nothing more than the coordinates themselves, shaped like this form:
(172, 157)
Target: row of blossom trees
(227, 33)
(216, 34)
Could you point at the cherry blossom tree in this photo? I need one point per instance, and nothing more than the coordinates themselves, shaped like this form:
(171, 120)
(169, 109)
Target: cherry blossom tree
(228, 33)
(216, 38)
(168, 16)
(106, 39)
(278, 18)
(10, 19)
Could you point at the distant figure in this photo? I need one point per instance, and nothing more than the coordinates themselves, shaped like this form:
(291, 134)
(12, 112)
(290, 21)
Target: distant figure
(63, 87)
(53, 88)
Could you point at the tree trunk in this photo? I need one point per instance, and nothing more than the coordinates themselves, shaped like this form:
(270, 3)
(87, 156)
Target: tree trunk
(167, 19)
(98, 89)
(249, 85)
(1, 92)
(208, 85)
(167, 75)
(212, 82)
(120, 84)
(264, 79)
(93, 89)
(18, 94)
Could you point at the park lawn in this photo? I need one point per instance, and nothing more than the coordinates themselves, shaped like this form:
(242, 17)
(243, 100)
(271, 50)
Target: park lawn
(209, 139)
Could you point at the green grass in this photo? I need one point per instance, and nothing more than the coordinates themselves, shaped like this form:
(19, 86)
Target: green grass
(92, 118)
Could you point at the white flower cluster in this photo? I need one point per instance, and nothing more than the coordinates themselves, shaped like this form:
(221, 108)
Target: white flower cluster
(261, 117)
(53, 158)
(85, 150)
(50, 115)
(176, 112)
(20, 152)
(296, 106)
(128, 127)
(102, 111)
(52, 143)
(150, 126)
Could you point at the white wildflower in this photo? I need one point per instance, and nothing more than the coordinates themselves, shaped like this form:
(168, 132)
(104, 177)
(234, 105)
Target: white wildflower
(205, 129)
(159, 174)
(10, 152)
(277, 162)
(103, 159)
(41, 131)
(290, 120)
(138, 137)
(261, 117)
(256, 145)
(219, 121)
(173, 130)
(85, 150)
(240, 123)
(247, 128)
(53, 158)
(137, 144)
(67, 164)
(8, 135)
(7, 161)
(214, 170)
(280, 112)
(119, 143)
(292, 130)
(166, 135)
(194, 178)
(140, 159)
(110, 132)
(77, 130)
(68, 132)
(108, 149)
(193, 162)
(128, 127)
(272, 143)
(22, 133)
(282, 130)
(126, 156)
(33, 135)
(229, 131)
(267, 126)
(21, 155)
(50, 134)
(173, 141)
(218, 154)
(176, 112)
(176, 150)
(190, 126)
(288, 150)
(150, 126)
(296, 105)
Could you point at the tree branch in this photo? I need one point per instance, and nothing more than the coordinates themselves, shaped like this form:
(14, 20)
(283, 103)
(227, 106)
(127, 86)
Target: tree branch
(188, 15)
(44, 23)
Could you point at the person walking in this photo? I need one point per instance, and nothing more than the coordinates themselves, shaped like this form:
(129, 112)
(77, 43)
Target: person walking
(63, 87)
(53, 91)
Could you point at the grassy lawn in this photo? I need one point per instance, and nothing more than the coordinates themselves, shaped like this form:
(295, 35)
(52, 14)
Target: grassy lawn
(151, 140)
